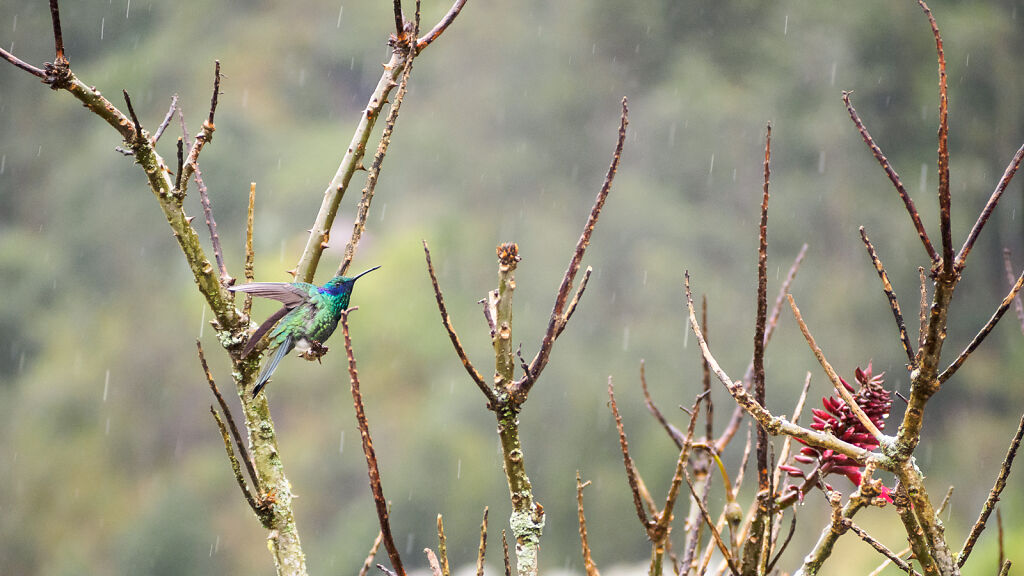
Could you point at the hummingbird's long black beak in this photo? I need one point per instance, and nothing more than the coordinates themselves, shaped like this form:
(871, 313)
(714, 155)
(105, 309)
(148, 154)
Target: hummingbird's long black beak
(361, 274)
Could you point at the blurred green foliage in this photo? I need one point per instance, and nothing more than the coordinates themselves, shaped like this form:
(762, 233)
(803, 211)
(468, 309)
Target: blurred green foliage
(109, 461)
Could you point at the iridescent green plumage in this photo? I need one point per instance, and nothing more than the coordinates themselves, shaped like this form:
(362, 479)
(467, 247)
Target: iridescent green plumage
(308, 318)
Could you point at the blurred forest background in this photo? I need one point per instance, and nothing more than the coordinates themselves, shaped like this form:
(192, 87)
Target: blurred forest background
(109, 460)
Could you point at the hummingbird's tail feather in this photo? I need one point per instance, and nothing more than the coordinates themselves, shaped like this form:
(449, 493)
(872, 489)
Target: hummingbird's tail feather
(268, 370)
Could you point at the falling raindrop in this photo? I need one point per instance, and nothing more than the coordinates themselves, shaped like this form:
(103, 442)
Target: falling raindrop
(711, 168)
(341, 11)
(341, 443)
(383, 211)
(106, 386)
(785, 26)
(352, 63)
(645, 278)
(39, 152)
(924, 176)
(672, 135)
(107, 431)
(103, 23)
(245, 97)
(128, 9)
(733, 174)
(21, 362)
(302, 77)
(216, 544)
(625, 338)
(821, 162)
(3, 163)
(14, 26)
(686, 337)
(832, 79)
(408, 544)
(202, 321)
(967, 61)
(458, 470)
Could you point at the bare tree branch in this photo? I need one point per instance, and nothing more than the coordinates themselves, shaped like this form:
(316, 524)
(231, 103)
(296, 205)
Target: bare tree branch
(891, 296)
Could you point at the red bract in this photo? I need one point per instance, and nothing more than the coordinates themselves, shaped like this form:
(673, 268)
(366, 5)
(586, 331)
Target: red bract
(838, 419)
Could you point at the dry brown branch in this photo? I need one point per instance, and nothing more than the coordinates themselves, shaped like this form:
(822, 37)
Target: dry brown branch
(923, 313)
(435, 568)
(760, 319)
(19, 63)
(891, 296)
(250, 254)
(769, 422)
(984, 332)
(944, 196)
(834, 378)
(881, 548)
(482, 550)
(442, 546)
(368, 451)
(441, 26)
(785, 543)
(674, 433)
(559, 314)
(399, 20)
(204, 136)
(373, 552)
(363, 209)
(135, 119)
(450, 327)
(999, 526)
(571, 307)
(993, 496)
(235, 467)
(504, 546)
(211, 224)
(588, 560)
(737, 415)
(631, 473)
(893, 177)
(711, 526)
(1004, 181)
(239, 442)
(1017, 305)
(705, 375)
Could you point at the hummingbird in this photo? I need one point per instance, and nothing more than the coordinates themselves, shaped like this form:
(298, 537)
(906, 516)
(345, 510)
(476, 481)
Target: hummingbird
(309, 316)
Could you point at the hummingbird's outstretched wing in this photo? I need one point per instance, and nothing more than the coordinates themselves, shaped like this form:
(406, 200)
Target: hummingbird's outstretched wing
(291, 294)
(268, 370)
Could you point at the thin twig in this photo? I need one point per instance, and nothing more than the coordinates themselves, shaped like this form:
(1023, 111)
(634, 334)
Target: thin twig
(984, 332)
(571, 307)
(627, 460)
(19, 63)
(944, 196)
(235, 467)
(711, 525)
(167, 120)
(442, 546)
(893, 177)
(763, 417)
(368, 451)
(559, 316)
(882, 548)
(993, 496)
(211, 224)
(785, 543)
(990, 206)
(588, 560)
(204, 136)
(450, 327)
(435, 568)
(705, 376)
(1005, 569)
(58, 38)
(482, 550)
(862, 417)
(761, 318)
(1018, 306)
(504, 546)
(773, 319)
(441, 26)
(787, 443)
(239, 442)
(673, 432)
(922, 313)
(181, 165)
(891, 296)
(135, 118)
(999, 526)
(373, 552)
(363, 209)
(250, 254)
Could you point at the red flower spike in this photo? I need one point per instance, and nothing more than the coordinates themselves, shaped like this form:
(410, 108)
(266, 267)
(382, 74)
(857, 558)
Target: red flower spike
(837, 417)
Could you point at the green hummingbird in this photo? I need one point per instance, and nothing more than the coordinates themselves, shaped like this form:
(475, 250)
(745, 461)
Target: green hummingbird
(308, 318)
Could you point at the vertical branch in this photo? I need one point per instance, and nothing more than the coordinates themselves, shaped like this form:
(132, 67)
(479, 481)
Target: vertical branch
(58, 38)
(218, 252)
(944, 200)
(250, 254)
(368, 450)
(705, 379)
(442, 547)
(631, 473)
(482, 550)
(588, 560)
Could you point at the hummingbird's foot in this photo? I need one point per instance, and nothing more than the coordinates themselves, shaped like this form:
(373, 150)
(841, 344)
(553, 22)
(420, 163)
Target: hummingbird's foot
(315, 352)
